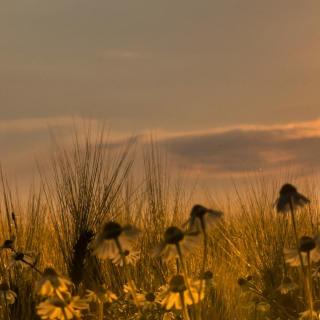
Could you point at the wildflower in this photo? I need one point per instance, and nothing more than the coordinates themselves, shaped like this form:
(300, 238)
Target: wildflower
(308, 314)
(287, 285)
(52, 284)
(316, 273)
(207, 278)
(245, 283)
(208, 275)
(307, 246)
(7, 244)
(131, 257)
(101, 294)
(202, 218)
(21, 259)
(169, 316)
(176, 242)
(113, 239)
(177, 295)
(148, 300)
(262, 307)
(289, 196)
(130, 290)
(67, 308)
(7, 296)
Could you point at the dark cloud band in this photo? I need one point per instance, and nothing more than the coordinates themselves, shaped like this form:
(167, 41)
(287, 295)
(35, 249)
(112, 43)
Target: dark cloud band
(245, 150)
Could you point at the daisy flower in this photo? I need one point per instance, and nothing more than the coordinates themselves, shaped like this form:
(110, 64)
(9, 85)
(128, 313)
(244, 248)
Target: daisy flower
(289, 199)
(169, 316)
(114, 239)
(245, 283)
(177, 294)
(52, 284)
(287, 285)
(176, 242)
(307, 246)
(56, 308)
(7, 244)
(308, 315)
(148, 300)
(131, 256)
(202, 218)
(101, 294)
(130, 290)
(21, 259)
(7, 296)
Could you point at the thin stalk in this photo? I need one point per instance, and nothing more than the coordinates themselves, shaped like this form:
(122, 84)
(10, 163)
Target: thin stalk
(203, 268)
(64, 314)
(184, 271)
(6, 306)
(127, 274)
(184, 307)
(272, 301)
(255, 311)
(296, 234)
(309, 285)
(100, 311)
(32, 266)
(303, 271)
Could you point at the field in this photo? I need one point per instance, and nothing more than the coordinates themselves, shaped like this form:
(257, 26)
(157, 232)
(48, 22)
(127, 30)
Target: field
(62, 258)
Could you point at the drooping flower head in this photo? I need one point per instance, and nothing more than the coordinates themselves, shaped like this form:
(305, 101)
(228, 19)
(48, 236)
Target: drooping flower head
(51, 284)
(101, 294)
(308, 314)
(208, 275)
(148, 301)
(21, 259)
(307, 246)
(176, 242)
(7, 244)
(114, 237)
(287, 285)
(131, 257)
(202, 218)
(177, 293)
(245, 283)
(67, 308)
(290, 197)
(7, 296)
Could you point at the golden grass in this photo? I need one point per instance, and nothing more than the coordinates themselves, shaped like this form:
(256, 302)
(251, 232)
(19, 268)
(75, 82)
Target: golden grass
(88, 185)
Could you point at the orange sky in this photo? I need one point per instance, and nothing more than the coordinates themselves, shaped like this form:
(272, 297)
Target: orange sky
(215, 80)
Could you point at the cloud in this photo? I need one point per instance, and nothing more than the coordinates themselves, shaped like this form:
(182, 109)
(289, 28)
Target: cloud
(245, 149)
(219, 152)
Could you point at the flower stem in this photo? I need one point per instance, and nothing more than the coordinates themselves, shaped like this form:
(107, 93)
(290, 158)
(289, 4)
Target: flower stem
(309, 285)
(32, 266)
(100, 310)
(127, 273)
(204, 260)
(184, 271)
(296, 235)
(184, 307)
(273, 302)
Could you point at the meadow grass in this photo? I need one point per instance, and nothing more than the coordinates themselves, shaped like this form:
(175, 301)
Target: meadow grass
(79, 265)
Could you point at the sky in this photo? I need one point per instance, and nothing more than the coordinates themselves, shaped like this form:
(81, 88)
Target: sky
(229, 87)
